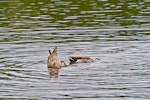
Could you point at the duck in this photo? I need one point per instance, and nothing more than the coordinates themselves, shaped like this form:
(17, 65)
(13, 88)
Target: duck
(54, 61)
(81, 59)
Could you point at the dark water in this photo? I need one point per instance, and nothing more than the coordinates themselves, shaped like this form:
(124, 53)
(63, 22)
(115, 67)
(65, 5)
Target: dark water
(117, 32)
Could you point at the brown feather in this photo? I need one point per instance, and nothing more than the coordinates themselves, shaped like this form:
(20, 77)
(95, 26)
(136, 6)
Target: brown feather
(53, 59)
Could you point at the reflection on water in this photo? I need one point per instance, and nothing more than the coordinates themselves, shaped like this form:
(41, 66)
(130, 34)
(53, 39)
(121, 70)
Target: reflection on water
(53, 72)
(117, 32)
(62, 14)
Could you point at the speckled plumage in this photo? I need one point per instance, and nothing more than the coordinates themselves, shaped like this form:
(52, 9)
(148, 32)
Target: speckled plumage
(53, 59)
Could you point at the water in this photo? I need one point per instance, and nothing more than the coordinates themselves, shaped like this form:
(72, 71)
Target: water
(117, 32)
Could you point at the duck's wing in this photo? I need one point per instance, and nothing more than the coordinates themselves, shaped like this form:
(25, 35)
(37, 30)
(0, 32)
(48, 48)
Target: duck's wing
(82, 59)
(74, 59)
(79, 57)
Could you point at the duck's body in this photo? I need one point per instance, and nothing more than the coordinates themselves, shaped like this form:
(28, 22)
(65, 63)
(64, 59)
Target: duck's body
(81, 59)
(53, 60)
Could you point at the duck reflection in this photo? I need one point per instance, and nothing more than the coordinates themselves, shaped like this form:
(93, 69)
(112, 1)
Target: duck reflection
(53, 72)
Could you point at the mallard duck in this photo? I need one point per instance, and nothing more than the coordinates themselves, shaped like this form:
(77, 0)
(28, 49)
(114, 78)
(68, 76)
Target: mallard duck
(81, 59)
(54, 61)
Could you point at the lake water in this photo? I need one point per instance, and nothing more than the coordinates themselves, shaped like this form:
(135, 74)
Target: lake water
(116, 32)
